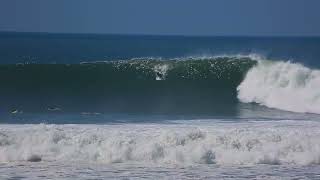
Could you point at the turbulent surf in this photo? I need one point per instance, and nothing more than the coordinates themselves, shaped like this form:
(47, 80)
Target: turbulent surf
(282, 85)
(224, 144)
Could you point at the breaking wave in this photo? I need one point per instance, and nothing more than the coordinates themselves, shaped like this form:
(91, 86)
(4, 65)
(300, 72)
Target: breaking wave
(282, 85)
(195, 85)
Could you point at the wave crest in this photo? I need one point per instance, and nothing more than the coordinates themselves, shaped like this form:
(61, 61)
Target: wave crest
(282, 85)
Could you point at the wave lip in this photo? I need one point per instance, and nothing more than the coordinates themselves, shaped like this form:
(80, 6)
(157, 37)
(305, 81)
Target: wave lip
(282, 85)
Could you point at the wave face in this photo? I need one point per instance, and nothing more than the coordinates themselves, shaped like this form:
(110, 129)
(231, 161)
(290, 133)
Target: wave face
(229, 144)
(177, 85)
(189, 85)
(282, 85)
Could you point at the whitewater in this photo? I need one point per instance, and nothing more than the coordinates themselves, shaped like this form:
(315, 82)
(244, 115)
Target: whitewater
(274, 132)
(207, 143)
(282, 85)
(201, 147)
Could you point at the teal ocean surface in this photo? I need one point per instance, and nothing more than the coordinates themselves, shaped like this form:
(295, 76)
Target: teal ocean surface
(133, 106)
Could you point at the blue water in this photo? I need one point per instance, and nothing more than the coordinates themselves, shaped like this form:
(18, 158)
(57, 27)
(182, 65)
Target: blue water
(77, 106)
(76, 48)
(190, 91)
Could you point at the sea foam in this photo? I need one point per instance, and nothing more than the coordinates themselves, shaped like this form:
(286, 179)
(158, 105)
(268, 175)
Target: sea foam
(282, 85)
(230, 144)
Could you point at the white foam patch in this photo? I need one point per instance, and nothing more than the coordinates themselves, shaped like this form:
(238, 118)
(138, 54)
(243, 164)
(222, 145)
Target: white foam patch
(282, 85)
(161, 71)
(228, 144)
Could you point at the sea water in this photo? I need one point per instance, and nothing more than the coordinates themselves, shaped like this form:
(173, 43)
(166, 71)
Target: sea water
(159, 107)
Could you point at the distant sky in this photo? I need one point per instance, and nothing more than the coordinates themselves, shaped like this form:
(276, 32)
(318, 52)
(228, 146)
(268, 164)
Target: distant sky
(182, 17)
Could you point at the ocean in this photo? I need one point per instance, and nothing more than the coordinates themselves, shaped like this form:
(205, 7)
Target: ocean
(86, 106)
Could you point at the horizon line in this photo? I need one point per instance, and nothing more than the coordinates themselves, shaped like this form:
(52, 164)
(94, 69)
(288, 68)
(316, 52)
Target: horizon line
(150, 34)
